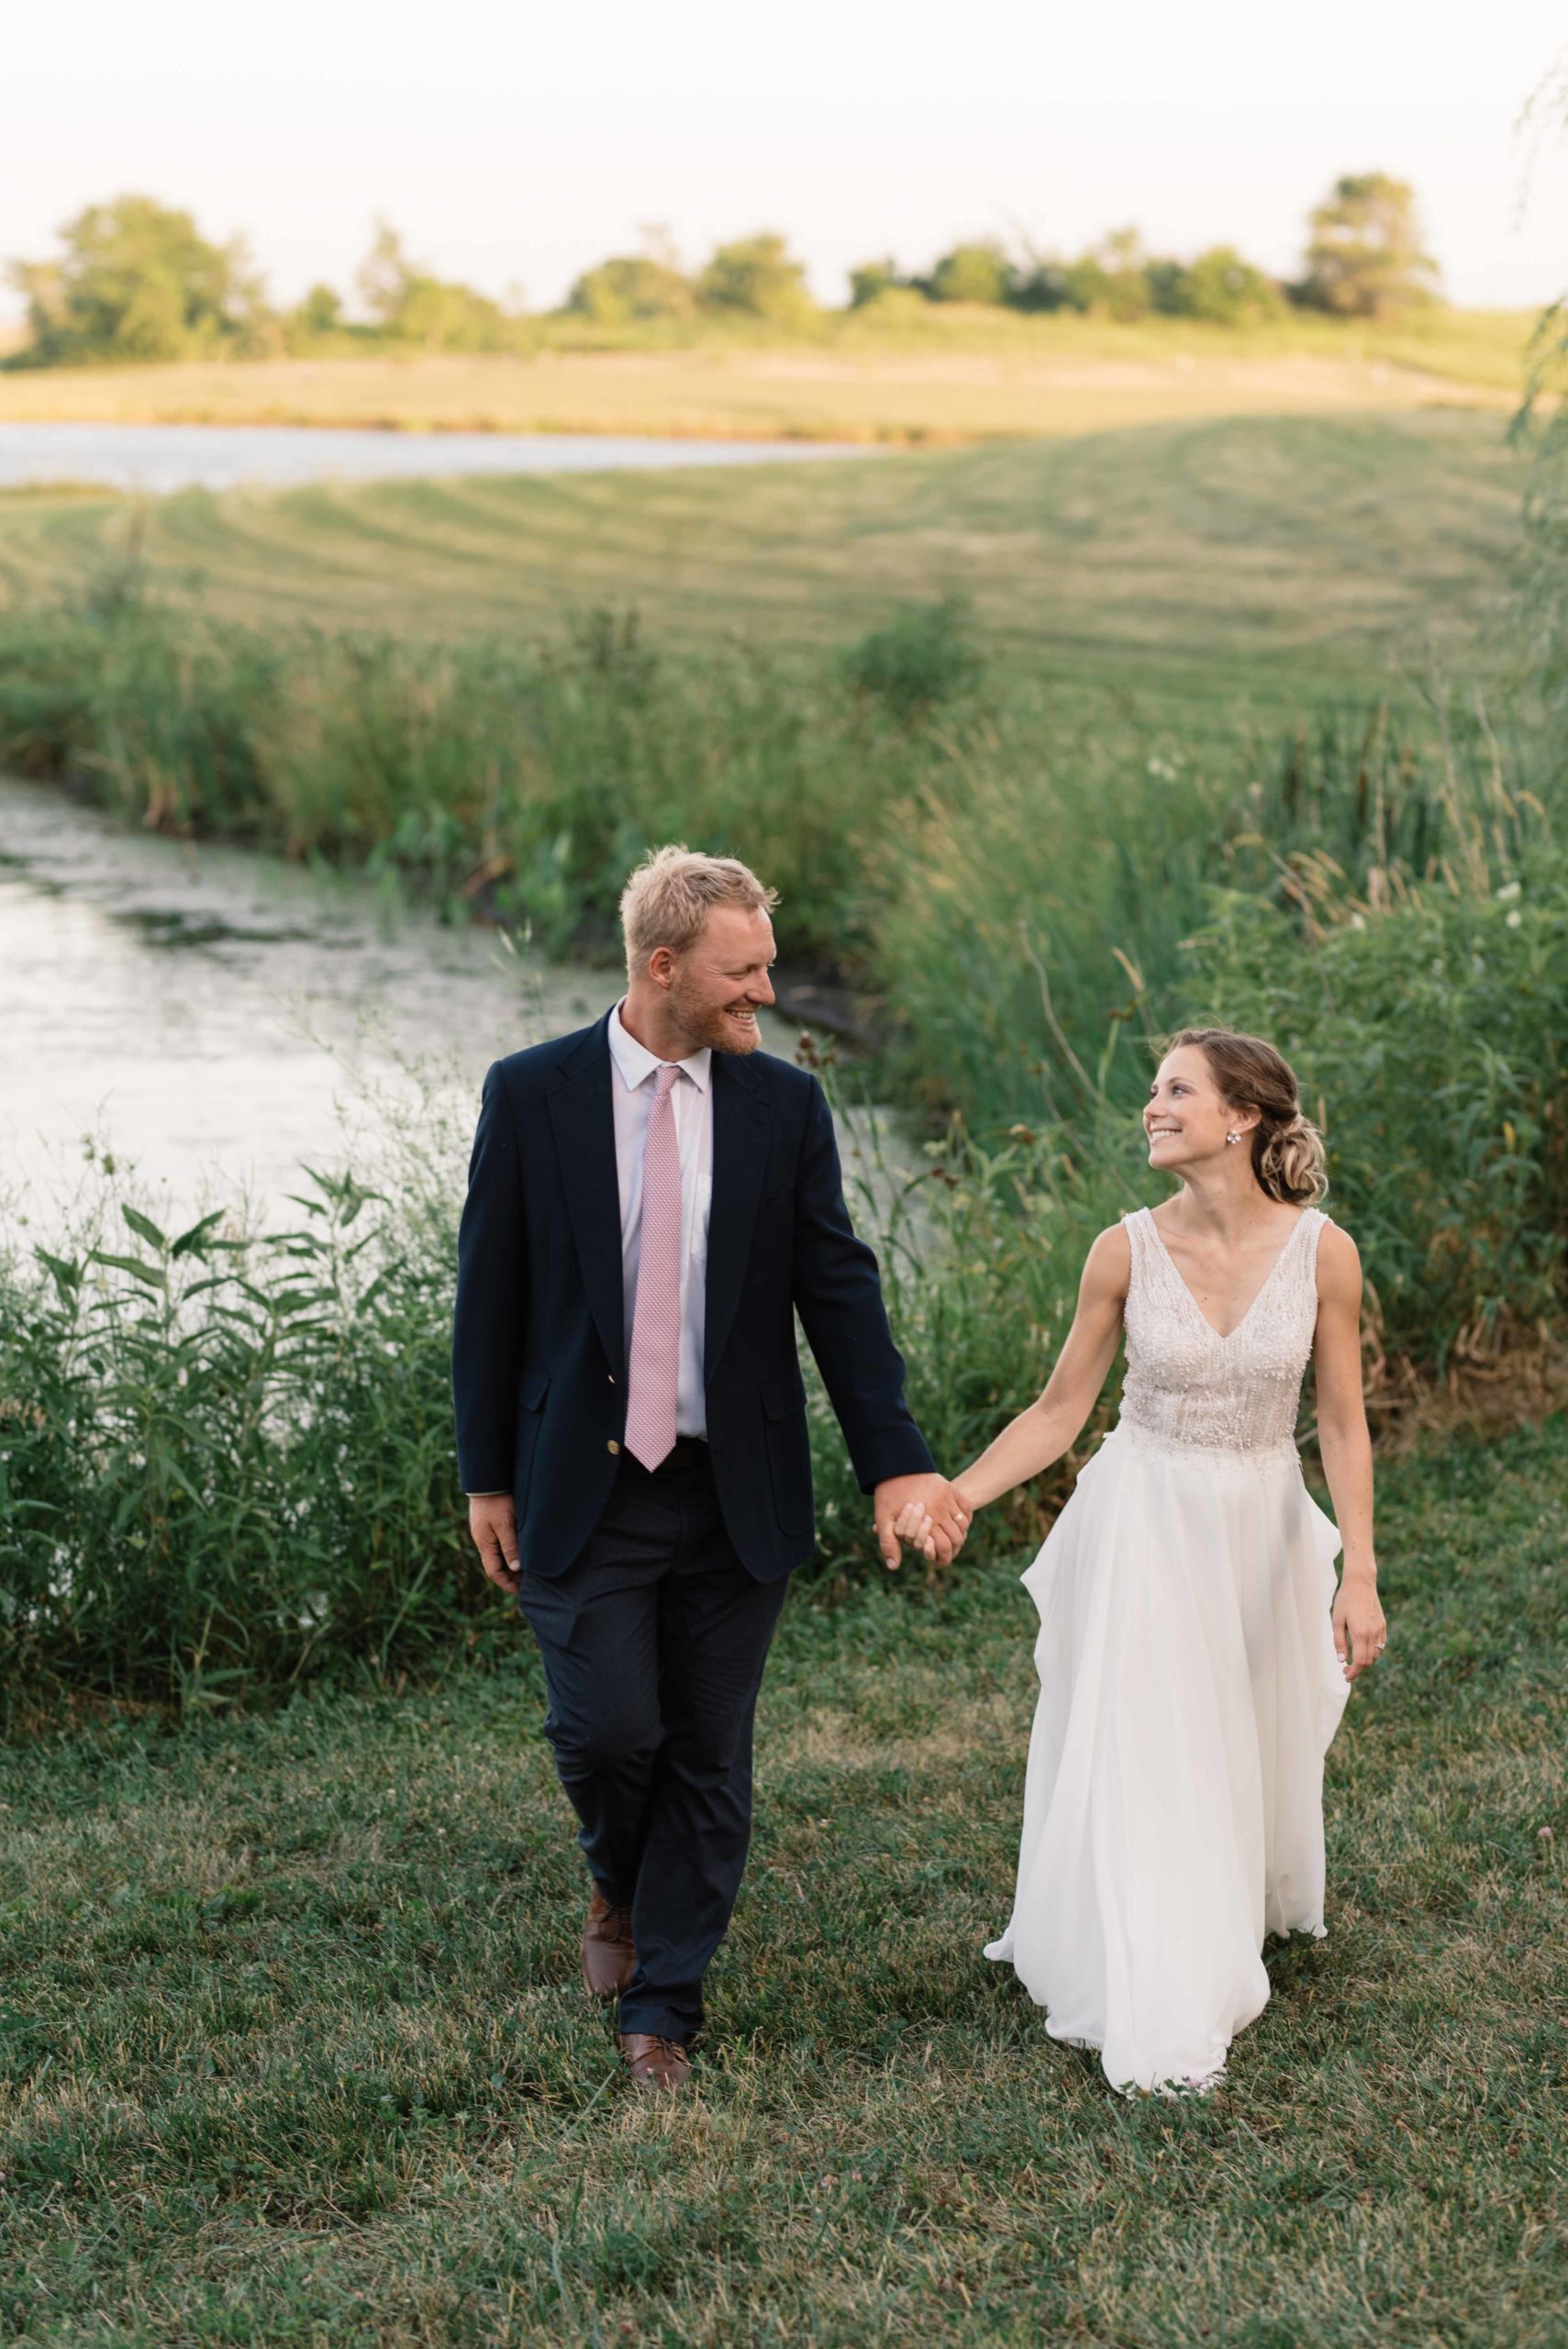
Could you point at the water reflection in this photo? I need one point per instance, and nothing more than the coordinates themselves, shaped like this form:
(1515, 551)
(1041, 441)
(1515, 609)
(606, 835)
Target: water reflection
(217, 1018)
(207, 1010)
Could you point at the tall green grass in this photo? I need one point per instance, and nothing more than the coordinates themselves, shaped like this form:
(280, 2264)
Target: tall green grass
(1047, 893)
(522, 779)
(214, 1480)
(226, 1461)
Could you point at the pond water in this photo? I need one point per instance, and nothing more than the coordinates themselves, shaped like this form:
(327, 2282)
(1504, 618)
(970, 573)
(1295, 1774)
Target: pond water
(214, 1018)
(156, 457)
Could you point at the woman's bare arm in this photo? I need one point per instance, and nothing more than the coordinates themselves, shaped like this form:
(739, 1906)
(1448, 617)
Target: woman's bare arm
(1342, 1438)
(1043, 1433)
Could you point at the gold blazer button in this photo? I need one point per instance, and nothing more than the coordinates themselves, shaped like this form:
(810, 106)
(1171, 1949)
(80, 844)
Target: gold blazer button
(612, 1445)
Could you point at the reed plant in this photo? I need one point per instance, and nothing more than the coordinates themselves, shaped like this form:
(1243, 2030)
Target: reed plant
(225, 1456)
(519, 779)
(1046, 892)
(1393, 913)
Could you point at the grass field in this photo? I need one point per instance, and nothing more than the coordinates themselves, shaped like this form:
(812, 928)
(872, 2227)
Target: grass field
(1266, 554)
(292, 2050)
(954, 373)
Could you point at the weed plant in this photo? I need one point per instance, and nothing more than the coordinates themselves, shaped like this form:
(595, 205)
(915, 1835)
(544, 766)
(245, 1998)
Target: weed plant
(226, 1461)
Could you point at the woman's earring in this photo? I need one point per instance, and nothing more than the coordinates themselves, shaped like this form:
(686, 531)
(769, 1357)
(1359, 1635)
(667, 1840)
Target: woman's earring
(1232, 1137)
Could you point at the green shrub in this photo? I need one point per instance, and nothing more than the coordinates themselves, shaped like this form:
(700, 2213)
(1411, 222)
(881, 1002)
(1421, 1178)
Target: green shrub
(757, 277)
(1431, 1039)
(979, 271)
(924, 656)
(628, 286)
(226, 1461)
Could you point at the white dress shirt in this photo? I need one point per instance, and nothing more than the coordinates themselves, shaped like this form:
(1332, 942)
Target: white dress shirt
(632, 1094)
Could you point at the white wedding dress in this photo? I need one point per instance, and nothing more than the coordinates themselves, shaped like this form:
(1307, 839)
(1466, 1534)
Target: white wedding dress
(1188, 1689)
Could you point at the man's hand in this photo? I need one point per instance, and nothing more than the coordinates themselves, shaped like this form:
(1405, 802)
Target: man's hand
(928, 1513)
(492, 1522)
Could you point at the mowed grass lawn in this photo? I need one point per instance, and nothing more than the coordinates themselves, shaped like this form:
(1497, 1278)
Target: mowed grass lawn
(950, 371)
(293, 2050)
(1262, 555)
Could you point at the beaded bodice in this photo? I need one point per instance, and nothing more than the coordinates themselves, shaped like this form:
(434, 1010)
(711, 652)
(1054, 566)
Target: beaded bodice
(1188, 1386)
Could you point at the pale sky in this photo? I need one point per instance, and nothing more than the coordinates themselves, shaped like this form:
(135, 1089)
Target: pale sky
(514, 147)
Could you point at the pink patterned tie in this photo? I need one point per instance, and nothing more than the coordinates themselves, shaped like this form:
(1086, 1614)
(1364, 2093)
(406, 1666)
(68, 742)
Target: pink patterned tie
(656, 1317)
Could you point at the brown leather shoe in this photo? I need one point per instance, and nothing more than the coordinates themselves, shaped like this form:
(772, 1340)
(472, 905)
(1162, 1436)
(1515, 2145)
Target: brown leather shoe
(609, 1955)
(654, 2063)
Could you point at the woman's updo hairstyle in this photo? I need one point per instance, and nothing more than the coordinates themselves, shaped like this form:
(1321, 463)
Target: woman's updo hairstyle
(1287, 1149)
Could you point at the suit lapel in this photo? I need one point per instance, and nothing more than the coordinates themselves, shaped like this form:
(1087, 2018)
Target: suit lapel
(584, 1127)
(740, 1120)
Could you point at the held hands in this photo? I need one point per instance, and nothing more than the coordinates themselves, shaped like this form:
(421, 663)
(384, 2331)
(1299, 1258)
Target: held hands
(926, 1511)
(493, 1524)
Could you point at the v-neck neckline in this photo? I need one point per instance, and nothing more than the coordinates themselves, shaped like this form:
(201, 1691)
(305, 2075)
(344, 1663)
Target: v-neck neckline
(1223, 1337)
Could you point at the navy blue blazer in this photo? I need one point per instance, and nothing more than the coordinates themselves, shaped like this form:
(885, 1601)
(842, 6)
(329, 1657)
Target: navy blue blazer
(539, 1350)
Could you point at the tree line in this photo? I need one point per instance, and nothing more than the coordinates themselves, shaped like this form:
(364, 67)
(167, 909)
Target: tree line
(135, 280)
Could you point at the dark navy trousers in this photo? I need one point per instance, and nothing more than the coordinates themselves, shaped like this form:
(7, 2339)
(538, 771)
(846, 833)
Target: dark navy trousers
(654, 1643)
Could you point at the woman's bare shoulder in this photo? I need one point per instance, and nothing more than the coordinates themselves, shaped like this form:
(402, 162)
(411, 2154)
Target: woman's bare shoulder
(1338, 1260)
(1107, 1268)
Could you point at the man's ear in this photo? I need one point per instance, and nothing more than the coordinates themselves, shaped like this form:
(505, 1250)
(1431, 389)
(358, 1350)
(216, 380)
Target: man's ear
(661, 965)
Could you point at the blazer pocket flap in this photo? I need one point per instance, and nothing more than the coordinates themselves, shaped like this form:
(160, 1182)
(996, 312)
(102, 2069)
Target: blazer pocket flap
(783, 1398)
(534, 1387)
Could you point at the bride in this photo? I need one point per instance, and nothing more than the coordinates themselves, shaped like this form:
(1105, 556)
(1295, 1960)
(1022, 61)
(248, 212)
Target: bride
(1193, 1657)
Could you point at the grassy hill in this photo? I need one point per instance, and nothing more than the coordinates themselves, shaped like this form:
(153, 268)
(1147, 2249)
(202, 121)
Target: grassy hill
(949, 372)
(1266, 556)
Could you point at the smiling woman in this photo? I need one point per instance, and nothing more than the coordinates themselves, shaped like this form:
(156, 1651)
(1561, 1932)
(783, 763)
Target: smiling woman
(1194, 1656)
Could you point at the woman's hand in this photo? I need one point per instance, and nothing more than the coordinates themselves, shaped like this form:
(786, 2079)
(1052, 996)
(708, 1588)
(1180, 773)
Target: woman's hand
(1360, 1632)
(913, 1524)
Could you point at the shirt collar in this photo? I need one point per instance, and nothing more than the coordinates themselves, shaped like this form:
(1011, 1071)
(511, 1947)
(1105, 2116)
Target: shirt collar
(635, 1063)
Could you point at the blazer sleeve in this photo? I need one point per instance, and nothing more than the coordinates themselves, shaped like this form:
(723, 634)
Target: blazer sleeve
(488, 1322)
(838, 1293)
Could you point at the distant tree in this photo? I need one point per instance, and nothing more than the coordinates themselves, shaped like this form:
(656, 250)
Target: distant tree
(978, 272)
(872, 280)
(408, 303)
(1112, 279)
(1084, 284)
(631, 286)
(387, 277)
(1218, 288)
(895, 305)
(137, 281)
(1124, 290)
(1042, 284)
(1364, 259)
(317, 315)
(760, 277)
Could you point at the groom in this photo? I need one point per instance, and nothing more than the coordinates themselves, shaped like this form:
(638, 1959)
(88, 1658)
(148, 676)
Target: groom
(650, 1202)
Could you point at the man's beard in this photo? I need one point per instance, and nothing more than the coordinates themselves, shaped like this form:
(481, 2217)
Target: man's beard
(706, 1026)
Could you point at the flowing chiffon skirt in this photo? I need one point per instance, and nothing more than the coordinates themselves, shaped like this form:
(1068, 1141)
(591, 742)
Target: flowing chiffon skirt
(1173, 1805)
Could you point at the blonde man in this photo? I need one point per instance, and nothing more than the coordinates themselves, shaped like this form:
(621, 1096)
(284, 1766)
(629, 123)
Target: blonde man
(650, 1203)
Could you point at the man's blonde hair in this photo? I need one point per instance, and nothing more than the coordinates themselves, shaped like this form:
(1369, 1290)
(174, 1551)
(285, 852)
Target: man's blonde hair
(672, 893)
